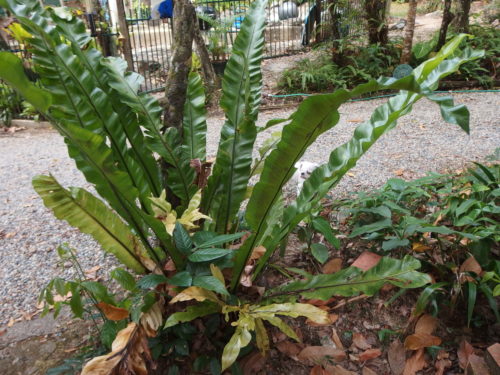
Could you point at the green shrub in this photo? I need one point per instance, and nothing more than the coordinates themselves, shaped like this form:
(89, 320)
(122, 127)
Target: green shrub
(320, 74)
(443, 220)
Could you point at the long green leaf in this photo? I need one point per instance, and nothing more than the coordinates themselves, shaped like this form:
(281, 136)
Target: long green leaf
(12, 72)
(280, 164)
(240, 100)
(352, 281)
(87, 213)
(194, 124)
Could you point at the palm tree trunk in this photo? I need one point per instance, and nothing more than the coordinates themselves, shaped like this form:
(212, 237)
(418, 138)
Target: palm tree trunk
(410, 29)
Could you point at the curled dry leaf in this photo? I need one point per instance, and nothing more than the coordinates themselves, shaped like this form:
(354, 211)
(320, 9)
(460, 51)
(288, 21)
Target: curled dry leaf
(246, 277)
(336, 339)
(333, 265)
(415, 363)
(368, 371)
(152, 320)
(421, 340)
(316, 354)
(129, 355)
(112, 312)
(360, 341)
(426, 324)
(464, 352)
(366, 261)
(396, 357)
(370, 354)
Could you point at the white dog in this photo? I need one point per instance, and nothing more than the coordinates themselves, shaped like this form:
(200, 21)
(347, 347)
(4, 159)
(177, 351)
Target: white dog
(304, 170)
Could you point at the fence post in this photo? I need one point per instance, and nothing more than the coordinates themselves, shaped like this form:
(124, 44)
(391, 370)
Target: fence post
(123, 27)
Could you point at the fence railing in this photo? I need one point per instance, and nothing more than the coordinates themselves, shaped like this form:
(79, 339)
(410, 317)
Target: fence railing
(291, 26)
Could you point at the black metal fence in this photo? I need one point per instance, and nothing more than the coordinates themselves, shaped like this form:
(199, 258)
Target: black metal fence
(291, 26)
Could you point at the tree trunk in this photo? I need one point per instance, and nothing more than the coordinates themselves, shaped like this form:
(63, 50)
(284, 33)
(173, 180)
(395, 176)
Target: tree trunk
(410, 29)
(376, 10)
(335, 21)
(210, 78)
(180, 67)
(318, 36)
(443, 31)
(461, 21)
(127, 46)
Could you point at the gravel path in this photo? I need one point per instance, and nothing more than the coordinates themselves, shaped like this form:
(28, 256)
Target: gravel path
(29, 234)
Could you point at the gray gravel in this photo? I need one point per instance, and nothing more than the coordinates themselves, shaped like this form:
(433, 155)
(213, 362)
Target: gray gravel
(29, 234)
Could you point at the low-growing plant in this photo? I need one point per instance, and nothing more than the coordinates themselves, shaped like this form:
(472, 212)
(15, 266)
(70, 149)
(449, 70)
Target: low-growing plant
(449, 222)
(360, 64)
(163, 214)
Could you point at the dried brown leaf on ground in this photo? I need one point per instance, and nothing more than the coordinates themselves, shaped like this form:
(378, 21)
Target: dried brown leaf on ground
(471, 265)
(129, 355)
(441, 365)
(366, 260)
(477, 366)
(316, 354)
(318, 370)
(338, 370)
(333, 265)
(420, 247)
(289, 348)
(370, 354)
(415, 363)
(336, 339)
(253, 363)
(360, 341)
(396, 357)
(421, 340)
(112, 312)
(426, 324)
(368, 371)
(465, 350)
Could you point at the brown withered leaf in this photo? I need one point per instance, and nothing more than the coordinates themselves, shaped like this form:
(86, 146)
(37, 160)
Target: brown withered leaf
(129, 355)
(471, 265)
(396, 357)
(419, 247)
(415, 363)
(441, 365)
(315, 354)
(368, 371)
(152, 320)
(91, 273)
(333, 265)
(318, 370)
(253, 363)
(338, 370)
(421, 340)
(289, 348)
(112, 312)
(465, 350)
(370, 354)
(366, 260)
(336, 339)
(426, 324)
(360, 341)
